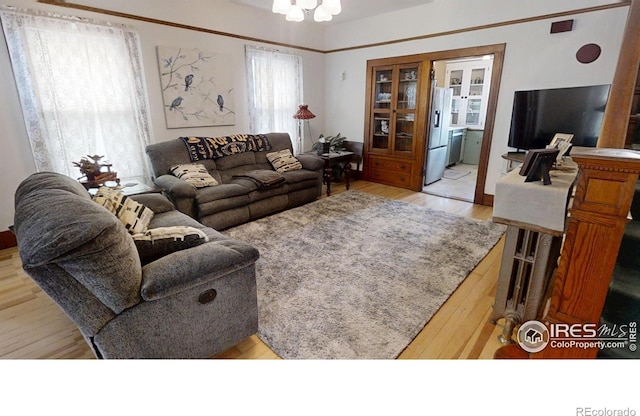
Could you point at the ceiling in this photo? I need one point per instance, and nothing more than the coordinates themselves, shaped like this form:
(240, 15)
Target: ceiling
(351, 9)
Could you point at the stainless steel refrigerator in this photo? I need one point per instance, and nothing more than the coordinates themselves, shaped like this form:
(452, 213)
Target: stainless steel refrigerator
(440, 116)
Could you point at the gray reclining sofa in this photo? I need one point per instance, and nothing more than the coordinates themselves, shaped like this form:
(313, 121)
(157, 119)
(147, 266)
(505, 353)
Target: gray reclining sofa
(191, 303)
(235, 200)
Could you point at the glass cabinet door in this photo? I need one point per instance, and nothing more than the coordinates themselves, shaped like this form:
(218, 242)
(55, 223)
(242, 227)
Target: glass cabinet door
(474, 105)
(475, 97)
(404, 127)
(476, 83)
(383, 90)
(403, 134)
(470, 83)
(407, 88)
(455, 82)
(380, 129)
(383, 98)
(455, 111)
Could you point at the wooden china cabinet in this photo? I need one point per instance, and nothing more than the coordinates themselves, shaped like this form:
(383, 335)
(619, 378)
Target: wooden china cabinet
(395, 121)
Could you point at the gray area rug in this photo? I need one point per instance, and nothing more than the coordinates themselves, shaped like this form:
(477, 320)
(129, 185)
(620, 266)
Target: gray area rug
(357, 276)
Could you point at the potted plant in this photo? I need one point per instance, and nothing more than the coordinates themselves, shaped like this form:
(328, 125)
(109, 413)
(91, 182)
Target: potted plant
(326, 144)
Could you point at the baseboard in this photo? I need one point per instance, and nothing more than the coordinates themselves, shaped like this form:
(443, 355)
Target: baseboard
(7, 240)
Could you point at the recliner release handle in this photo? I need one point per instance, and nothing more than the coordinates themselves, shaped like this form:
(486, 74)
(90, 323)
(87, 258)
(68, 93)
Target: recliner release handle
(207, 296)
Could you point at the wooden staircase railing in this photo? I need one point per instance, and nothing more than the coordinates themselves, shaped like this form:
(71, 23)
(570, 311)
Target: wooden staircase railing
(604, 190)
(614, 127)
(597, 217)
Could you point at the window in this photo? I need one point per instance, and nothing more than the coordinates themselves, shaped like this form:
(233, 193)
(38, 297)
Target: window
(275, 91)
(81, 89)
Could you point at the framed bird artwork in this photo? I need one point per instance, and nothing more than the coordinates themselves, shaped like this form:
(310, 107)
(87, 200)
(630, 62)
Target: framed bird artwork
(197, 89)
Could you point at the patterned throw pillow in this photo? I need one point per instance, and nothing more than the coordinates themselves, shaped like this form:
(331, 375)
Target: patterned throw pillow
(194, 173)
(109, 198)
(133, 215)
(284, 161)
(158, 242)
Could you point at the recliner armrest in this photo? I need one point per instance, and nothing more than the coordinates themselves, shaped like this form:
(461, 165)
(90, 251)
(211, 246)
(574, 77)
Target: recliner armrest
(188, 268)
(176, 187)
(310, 162)
(155, 202)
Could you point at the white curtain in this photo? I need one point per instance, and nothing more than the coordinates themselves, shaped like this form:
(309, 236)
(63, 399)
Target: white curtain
(275, 91)
(82, 91)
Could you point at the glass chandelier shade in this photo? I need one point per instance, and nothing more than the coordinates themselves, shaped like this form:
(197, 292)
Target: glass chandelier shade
(281, 6)
(297, 11)
(306, 4)
(332, 7)
(295, 14)
(321, 14)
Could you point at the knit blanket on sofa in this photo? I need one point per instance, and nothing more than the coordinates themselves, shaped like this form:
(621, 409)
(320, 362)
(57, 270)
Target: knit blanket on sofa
(263, 178)
(201, 148)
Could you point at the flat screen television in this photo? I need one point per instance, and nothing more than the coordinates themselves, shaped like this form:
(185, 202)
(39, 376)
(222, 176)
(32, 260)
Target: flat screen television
(539, 114)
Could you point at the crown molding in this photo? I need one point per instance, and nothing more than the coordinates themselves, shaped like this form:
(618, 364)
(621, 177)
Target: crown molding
(62, 3)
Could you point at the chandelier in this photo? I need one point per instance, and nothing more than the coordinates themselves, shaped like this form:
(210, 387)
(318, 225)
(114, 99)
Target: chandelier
(296, 12)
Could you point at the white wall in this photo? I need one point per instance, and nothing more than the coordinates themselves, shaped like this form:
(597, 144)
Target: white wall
(16, 161)
(444, 15)
(534, 58)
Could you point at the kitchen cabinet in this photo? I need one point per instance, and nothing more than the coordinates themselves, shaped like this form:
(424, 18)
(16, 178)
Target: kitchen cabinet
(470, 81)
(472, 147)
(455, 146)
(395, 121)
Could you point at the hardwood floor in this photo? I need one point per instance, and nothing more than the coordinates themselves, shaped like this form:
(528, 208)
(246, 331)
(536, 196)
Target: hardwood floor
(33, 326)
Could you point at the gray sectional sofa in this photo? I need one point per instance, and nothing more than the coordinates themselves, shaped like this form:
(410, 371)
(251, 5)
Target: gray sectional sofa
(191, 303)
(235, 200)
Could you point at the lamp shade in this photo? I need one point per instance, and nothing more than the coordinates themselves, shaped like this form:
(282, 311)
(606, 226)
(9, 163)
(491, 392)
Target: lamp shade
(332, 6)
(295, 14)
(321, 15)
(303, 113)
(281, 6)
(307, 4)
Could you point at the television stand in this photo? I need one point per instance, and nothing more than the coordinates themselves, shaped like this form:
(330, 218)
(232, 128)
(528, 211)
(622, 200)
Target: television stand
(511, 157)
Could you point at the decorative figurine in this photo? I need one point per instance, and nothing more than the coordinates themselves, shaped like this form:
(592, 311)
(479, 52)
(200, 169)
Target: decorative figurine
(384, 126)
(95, 172)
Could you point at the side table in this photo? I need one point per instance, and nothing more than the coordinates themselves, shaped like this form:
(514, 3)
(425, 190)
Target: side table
(330, 160)
(130, 188)
(133, 188)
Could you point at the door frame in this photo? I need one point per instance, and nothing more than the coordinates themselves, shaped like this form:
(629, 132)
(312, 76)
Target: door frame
(497, 51)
